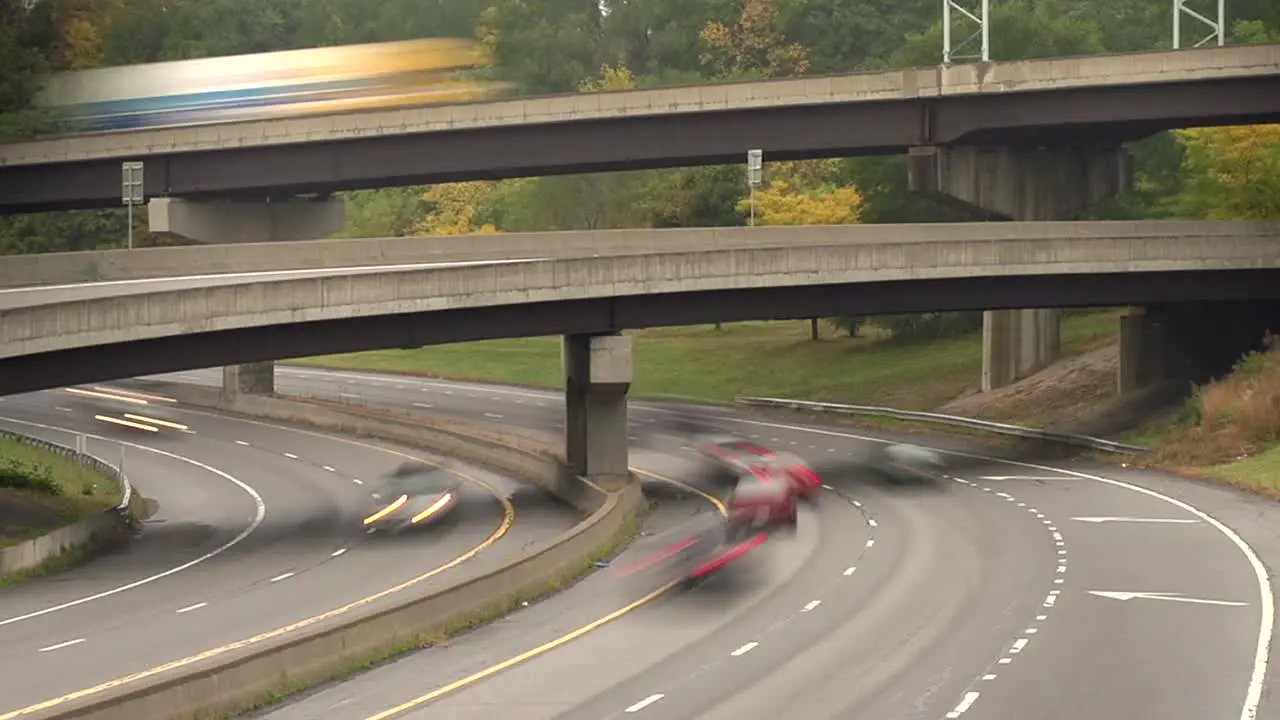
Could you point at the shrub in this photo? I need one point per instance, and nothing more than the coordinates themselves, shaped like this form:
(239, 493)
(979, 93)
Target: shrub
(34, 477)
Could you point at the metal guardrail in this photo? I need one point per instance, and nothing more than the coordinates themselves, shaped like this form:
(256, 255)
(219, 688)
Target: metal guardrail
(1083, 441)
(80, 454)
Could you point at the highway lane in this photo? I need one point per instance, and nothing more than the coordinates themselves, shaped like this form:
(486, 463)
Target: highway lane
(1099, 656)
(11, 298)
(309, 554)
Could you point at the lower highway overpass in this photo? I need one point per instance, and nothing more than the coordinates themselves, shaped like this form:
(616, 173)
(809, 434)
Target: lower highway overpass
(61, 336)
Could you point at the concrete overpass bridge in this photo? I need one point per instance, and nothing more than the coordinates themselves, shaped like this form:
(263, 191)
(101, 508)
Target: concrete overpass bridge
(1028, 140)
(1208, 290)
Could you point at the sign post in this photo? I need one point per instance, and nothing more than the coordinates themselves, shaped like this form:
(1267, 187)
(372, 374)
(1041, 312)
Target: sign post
(755, 175)
(131, 190)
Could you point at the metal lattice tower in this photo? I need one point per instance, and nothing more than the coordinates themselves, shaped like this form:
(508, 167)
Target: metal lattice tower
(952, 52)
(1217, 29)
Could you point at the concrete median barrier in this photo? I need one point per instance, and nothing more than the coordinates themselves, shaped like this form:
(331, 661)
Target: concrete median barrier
(262, 669)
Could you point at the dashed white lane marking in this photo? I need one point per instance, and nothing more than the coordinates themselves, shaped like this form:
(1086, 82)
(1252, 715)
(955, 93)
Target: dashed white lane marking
(357, 481)
(1018, 645)
(871, 542)
(189, 608)
(63, 409)
(964, 705)
(989, 676)
(850, 571)
(424, 406)
(337, 552)
(872, 522)
(348, 395)
(645, 703)
(495, 416)
(241, 442)
(744, 649)
(329, 469)
(61, 645)
(810, 605)
(291, 456)
(284, 576)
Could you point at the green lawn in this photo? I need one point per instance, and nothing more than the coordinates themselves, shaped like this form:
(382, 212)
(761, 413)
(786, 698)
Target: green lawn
(702, 363)
(1260, 471)
(25, 514)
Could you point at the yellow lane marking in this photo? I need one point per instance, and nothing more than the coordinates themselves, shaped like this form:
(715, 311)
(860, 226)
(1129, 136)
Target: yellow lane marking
(563, 639)
(508, 518)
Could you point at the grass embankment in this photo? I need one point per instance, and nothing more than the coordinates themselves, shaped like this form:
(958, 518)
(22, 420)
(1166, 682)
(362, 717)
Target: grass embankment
(765, 359)
(1229, 430)
(41, 491)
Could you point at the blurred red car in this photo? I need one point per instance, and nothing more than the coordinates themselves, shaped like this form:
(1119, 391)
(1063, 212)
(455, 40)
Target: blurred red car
(736, 455)
(764, 498)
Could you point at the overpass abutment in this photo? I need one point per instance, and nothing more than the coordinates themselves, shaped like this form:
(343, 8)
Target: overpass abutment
(225, 221)
(257, 378)
(597, 370)
(1189, 343)
(1024, 184)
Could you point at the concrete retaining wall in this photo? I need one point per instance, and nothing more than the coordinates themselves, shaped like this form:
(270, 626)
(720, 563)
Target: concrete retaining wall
(109, 526)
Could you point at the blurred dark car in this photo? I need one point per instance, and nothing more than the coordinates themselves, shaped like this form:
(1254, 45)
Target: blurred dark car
(413, 494)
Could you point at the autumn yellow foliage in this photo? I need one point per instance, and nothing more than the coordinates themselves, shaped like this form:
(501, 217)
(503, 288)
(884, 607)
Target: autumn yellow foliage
(453, 209)
(1233, 172)
(784, 203)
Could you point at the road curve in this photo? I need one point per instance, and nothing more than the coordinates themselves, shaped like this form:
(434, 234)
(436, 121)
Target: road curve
(258, 529)
(1020, 590)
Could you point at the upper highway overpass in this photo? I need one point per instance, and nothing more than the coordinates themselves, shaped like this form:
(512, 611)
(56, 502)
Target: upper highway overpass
(1100, 99)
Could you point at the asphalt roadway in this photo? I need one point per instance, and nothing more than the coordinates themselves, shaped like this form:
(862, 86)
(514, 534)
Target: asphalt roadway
(11, 298)
(258, 532)
(1014, 591)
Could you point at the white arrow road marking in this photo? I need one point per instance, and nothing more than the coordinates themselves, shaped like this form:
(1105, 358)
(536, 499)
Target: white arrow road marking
(1176, 597)
(1179, 521)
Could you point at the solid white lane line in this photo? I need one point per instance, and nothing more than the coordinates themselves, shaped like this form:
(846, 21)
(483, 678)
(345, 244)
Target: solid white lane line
(61, 645)
(189, 608)
(260, 510)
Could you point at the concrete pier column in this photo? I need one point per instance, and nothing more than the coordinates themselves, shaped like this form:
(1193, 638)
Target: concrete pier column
(249, 379)
(1144, 348)
(1026, 184)
(247, 221)
(597, 370)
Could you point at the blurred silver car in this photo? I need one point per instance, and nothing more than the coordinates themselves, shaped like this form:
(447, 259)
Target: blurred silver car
(413, 494)
(901, 463)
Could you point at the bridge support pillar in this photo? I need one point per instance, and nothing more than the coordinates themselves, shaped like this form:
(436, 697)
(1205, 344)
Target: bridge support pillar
(247, 221)
(249, 379)
(597, 370)
(1025, 184)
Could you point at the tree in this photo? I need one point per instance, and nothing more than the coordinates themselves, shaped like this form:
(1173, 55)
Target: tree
(1233, 173)
(754, 46)
(454, 209)
(782, 203)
